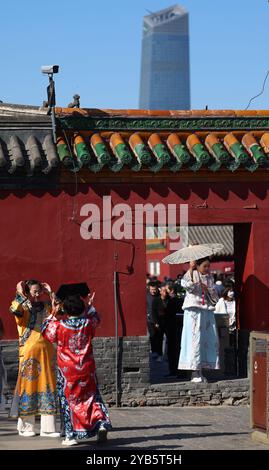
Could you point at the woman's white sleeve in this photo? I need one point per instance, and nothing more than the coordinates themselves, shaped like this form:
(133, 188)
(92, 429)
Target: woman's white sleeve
(190, 286)
(220, 307)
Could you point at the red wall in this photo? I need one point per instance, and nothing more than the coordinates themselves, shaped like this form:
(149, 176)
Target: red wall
(39, 239)
(252, 249)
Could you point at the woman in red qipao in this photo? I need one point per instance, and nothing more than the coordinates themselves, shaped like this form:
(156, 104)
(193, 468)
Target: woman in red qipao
(84, 413)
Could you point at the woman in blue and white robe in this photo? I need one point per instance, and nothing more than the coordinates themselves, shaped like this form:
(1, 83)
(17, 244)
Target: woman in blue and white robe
(199, 342)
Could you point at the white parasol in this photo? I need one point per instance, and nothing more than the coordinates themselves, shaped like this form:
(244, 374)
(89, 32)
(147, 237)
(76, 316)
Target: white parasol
(192, 253)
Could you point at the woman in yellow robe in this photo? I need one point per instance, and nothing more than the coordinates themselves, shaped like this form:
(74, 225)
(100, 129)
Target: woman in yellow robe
(36, 385)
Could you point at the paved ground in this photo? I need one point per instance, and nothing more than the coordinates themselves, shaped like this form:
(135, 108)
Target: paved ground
(157, 429)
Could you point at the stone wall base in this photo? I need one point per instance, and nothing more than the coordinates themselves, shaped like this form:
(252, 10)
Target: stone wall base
(225, 392)
(133, 377)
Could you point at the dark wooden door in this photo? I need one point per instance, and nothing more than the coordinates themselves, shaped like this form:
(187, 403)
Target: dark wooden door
(259, 390)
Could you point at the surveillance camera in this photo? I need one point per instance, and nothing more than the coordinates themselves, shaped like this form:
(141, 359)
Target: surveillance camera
(49, 69)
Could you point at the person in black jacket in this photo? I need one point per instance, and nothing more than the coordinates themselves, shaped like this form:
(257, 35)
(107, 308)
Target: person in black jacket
(152, 294)
(172, 328)
(159, 312)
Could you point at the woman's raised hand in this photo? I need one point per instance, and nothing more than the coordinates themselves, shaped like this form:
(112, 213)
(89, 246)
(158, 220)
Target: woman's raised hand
(56, 305)
(192, 265)
(54, 300)
(90, 298)
(20, 287)
(46, 287)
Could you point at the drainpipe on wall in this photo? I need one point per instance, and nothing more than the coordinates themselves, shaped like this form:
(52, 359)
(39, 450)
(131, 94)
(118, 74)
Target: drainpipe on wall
(116, 273)
(115, 282)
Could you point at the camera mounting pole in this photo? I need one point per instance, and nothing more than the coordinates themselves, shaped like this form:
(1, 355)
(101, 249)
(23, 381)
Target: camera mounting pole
(50, 70)
(51, 105)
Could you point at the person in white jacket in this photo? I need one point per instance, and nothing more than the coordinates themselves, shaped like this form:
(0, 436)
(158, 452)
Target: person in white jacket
(226, 304)
(199, 342)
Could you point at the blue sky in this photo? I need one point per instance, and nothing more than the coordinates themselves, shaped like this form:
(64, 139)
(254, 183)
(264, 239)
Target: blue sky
(98, 46)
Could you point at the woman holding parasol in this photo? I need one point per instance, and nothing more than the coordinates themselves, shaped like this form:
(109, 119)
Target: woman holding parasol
(199, 342)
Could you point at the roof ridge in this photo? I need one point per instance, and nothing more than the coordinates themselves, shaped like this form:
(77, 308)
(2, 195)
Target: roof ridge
(11, 109)
(161, 113)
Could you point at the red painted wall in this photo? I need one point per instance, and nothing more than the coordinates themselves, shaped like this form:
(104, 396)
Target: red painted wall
(40, 239)
(254, 288)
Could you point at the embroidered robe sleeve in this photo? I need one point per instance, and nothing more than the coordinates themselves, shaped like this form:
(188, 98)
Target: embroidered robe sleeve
(94, 318)
(49, 329)
(19, 309)
(191, 286)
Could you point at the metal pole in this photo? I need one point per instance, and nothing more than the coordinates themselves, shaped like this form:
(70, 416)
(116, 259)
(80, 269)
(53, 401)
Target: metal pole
(115, 282)
(53, 122)
(52, 103)
(236, 351)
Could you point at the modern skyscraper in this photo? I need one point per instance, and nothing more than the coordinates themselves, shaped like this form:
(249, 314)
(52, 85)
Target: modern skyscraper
(165, 69)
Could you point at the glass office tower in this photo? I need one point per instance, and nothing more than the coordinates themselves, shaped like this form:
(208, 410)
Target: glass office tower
(165, 68)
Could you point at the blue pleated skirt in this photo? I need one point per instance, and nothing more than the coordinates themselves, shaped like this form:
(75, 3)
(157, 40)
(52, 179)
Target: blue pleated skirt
(199, 341)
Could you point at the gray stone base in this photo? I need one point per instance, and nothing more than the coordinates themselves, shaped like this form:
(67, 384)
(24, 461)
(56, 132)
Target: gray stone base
(224, 392)
(11, 361)
(133, 366)
(133, 378)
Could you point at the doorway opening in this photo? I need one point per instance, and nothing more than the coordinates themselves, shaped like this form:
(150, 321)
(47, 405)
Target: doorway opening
(222, 267)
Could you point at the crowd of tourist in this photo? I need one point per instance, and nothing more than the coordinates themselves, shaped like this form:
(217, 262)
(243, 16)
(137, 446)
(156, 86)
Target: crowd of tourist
(181, 321)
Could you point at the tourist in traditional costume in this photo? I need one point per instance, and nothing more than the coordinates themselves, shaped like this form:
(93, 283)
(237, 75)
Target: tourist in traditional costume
(84, 413)
(199, 342)
(36, 385)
